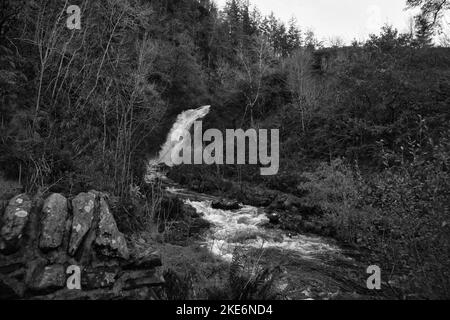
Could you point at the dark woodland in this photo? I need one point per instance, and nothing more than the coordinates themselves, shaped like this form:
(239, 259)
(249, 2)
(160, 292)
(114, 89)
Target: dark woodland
(364, 144)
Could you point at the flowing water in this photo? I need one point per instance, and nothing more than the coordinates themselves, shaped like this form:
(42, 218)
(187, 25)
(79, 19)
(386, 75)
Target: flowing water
(245, 227)
(174, 140)
(314, 267)
(182, 125)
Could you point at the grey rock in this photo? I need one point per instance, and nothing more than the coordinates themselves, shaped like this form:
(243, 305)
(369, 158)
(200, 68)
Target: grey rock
(225, 205)
(47, 278)
(110, 241)
(54, 222)
(83, 215)
(97, 278)
(15, 220)
(274, 218)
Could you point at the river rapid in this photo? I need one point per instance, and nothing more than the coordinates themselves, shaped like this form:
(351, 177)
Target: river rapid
(313, 267)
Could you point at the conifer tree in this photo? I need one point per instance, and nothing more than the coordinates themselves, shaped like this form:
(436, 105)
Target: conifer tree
(424, 32)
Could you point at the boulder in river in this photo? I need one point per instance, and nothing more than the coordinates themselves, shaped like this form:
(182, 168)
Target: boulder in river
(274, 218)
(226, 205)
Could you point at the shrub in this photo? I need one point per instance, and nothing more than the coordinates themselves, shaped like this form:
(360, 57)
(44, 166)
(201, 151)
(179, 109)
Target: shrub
(414, 198)
(335, 187)
(402, 213)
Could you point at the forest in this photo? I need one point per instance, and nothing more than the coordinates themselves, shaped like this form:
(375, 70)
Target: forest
(364, 127)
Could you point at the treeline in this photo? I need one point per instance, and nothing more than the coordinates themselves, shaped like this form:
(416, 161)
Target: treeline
(83, 108)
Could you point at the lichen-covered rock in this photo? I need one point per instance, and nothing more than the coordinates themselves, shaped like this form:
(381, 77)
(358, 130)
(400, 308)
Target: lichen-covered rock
(83, 215)
(53, 222)
(98, 249)
(110, 241)
(47, 278)
(98, 278)
(15, 220)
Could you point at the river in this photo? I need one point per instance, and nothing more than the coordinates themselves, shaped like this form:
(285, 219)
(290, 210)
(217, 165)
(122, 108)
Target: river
(312, 267)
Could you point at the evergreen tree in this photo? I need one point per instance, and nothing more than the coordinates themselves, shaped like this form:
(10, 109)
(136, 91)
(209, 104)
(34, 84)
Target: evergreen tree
(424, 32)
(294, 36)
(233, 22)
(255, 21)
(246, 20)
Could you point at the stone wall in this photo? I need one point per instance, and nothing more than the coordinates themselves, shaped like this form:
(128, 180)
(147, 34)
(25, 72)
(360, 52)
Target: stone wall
(71, 249)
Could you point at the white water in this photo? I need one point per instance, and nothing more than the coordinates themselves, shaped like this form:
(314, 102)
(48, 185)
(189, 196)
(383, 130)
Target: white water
(244, 228)
(309, 263)
(183, 124)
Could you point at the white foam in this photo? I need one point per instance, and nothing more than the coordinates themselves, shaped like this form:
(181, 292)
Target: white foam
(244, 228)
(184, 122)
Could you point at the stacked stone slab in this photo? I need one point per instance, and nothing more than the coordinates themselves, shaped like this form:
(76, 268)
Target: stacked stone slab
(41, 244)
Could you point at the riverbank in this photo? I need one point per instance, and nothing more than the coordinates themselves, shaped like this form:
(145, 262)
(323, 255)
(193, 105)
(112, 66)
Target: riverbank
(335, 201)
(301, 265)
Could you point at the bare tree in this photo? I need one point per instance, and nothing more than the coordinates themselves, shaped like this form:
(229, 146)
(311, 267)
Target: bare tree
(302, 85)
(256, 63)
(93, 85)
(46, 39)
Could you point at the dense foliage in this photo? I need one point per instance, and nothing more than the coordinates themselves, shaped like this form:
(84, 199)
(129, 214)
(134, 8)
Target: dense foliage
(85, 108)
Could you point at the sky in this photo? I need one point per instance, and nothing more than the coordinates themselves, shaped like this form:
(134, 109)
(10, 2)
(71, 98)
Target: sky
(347, 19)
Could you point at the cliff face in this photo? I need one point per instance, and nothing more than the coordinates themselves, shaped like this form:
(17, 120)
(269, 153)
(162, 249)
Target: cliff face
(62, 248)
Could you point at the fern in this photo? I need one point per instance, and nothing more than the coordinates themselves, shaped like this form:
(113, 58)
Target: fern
(249, 280)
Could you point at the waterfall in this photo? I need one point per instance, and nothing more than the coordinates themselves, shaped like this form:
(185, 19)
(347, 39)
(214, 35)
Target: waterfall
(184, 122)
